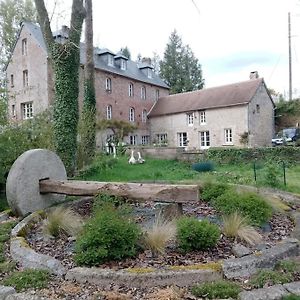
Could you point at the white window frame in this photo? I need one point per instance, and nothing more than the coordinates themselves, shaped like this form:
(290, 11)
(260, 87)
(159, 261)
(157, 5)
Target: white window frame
(130, 90)
(27, 110)
(108, 112)
(110, 60)
(123, 64)
(228, 136)
(143, 92)
(190, 119)
(133, 139)
(108, 84)
(162, 138)
(202, 116)
(24, 46)
(145, 139)
(204, 137)
(131, 114)
(25, 78)
(182, 139)
(144, 116)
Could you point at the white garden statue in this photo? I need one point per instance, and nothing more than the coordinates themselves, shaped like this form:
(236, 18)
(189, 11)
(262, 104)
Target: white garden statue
(132, 159)
(140, 159)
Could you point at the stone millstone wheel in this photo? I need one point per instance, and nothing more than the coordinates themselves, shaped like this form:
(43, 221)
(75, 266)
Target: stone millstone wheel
(22, 185)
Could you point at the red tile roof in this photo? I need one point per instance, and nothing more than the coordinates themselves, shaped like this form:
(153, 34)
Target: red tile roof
(222, 96)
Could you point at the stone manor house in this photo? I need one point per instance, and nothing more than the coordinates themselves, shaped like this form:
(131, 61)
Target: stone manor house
(133, 92)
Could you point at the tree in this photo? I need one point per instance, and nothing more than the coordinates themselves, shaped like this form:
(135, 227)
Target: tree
(125, 51)
(65, 58)
(12, 13)
(89, 103)
(180, 68)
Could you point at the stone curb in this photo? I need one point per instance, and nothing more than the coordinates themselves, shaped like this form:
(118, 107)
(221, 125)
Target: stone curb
(246, 266)
(104, 277)
(25, 296)
(271, 293)
(5, 291)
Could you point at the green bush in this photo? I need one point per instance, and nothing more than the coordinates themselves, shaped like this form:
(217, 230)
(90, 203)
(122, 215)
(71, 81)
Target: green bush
(291, 297)
(27, 279)
(205, 166)
(249, 205)
(270, 277)
(272, 175)
(193, 234)
(108, 235)
(217, 290)
(211, 191)
(104, 199)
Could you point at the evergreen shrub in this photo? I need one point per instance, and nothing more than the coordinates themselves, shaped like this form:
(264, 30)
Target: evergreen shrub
(249, 205)
(205, 166)
(108, 235)
(193, 234)
(211, 191)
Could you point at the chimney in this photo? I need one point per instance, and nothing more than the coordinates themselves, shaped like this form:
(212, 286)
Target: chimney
(146, 60)
(253, 75)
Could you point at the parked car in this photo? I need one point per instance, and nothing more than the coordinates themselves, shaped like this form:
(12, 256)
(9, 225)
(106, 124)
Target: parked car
(286, 136)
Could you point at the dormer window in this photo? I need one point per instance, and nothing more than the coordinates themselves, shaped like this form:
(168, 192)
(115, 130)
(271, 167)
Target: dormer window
(110, 61)
(123, 64)
(149, 73)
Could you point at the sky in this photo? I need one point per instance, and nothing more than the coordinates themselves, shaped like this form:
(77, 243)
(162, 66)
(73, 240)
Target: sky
(230, 38)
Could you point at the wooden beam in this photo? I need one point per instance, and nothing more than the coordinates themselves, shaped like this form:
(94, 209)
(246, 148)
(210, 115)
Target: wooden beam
(135, 191)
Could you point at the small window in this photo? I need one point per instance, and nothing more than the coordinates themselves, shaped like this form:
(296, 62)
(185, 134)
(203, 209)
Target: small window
(143, 93)
(123, 64)
(132, 139)
(13, 110)
(108, 112)
(162, 138)
(182, 139)
(108, 84)
(12, 80)
(145, 139)
(144, 116)
(228, 136)
(202, 117)
(24, 47)
(27, 110)
(149, 73)
(190, 119)
(131, 114)
(130, 89)
(25, 78)
(110, 61)
(156, 95)
(257, 108)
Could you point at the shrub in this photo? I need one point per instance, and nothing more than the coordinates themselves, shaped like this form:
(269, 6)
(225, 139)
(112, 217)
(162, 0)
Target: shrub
(156, 237)
(249, 205)
(27, 279)
(211, 191)
(63, 220)
(193, 234)
(205, 166)
(108, 235)
(271, 175)
(217, 290)
(269, 277)
(103, 199)
(236, 226)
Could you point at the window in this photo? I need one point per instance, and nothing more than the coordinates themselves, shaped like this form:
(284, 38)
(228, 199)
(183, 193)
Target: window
(13, 110)
(131, 114)
(204, 139)
(130, 89)
(145, 139)
(108, 112)
(12, 80)
(24, 47)
(202, 117)
(144, 116)
(123, 64)
(27, 110)
(228, 136)
(149, 73)
(25, 78)
(108, 84)
(110, 60)
(162, 138)
(143, 93)
(257, 108)
(182, 139)
(132, 139)
(156, 95)
(190, 119)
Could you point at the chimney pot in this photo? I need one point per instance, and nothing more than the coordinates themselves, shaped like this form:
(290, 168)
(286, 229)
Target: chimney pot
(254, 75)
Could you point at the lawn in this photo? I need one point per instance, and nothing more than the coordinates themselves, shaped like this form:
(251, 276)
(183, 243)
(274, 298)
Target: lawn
(106, 168)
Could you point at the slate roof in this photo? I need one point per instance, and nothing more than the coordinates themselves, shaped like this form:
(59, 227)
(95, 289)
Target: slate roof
(223, 96)
(133, 71)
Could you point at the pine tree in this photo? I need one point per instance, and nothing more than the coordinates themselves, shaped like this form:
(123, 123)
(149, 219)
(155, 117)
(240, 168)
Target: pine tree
(180, 68)
(126, 52)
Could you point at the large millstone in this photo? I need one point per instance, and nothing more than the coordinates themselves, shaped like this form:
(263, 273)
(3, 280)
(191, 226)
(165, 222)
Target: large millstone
(22, 186)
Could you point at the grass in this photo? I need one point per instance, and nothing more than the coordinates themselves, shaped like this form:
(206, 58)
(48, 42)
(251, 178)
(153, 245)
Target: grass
(173, 171)
(236, 226)
(269, 277)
